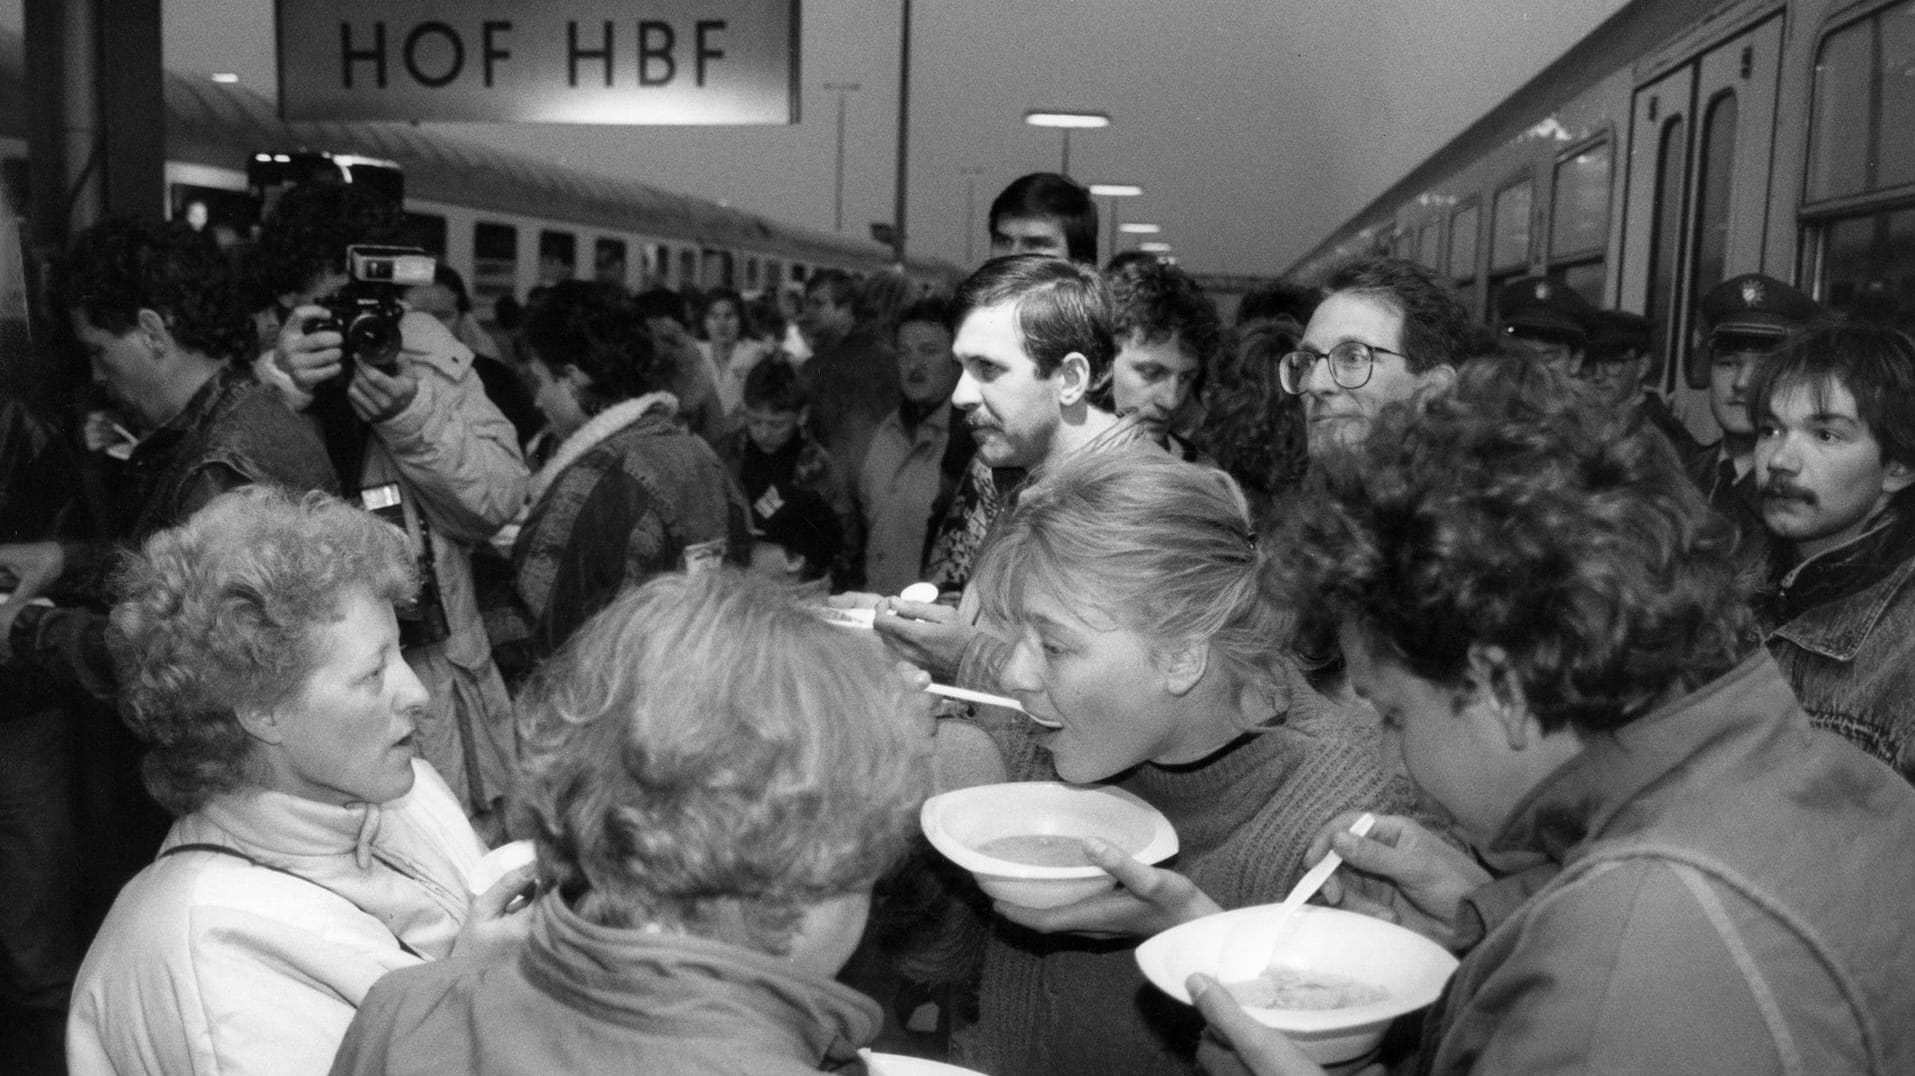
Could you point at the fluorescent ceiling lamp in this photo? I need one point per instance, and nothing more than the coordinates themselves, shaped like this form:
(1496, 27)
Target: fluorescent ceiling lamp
(1115, 190)
(1139, 229)
(225, 77)
(1054, 118)
(1154, 248)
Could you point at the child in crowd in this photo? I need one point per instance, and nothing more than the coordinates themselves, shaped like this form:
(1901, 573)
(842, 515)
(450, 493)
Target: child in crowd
(772, 458)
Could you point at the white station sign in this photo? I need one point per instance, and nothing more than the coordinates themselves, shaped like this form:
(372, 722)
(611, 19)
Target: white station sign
(683, 62)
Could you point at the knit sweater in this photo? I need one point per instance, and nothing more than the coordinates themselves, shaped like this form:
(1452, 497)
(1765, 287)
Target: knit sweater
(1063, 1004)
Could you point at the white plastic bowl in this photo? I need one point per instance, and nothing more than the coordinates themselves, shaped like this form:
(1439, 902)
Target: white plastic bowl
(958, 822)
(1410, 967)
(906, 1065)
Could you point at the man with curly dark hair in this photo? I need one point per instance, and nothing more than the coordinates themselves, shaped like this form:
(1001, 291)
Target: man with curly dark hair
(1168, 338)
(154, 307)
(423, 441)
(1548, 618)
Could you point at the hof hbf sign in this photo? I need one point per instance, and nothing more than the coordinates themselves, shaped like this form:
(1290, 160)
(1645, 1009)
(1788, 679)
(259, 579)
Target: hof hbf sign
(555, 61)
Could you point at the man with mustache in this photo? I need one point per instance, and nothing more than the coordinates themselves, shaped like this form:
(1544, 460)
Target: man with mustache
(1834, 457)
(1748, 316)
(1035, 340)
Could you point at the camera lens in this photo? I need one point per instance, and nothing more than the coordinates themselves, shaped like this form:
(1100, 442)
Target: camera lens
(375, 340)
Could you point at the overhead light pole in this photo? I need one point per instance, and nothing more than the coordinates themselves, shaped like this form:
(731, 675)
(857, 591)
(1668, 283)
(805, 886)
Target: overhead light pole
(842, 88)
(1066, 121)
(1113, 191)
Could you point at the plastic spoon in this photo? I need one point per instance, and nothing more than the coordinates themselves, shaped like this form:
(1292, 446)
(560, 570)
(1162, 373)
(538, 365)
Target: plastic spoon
(965, 694)
(1253, 948)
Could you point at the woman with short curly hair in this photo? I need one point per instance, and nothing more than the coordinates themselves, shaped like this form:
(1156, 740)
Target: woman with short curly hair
(716, 780)
(312, 853)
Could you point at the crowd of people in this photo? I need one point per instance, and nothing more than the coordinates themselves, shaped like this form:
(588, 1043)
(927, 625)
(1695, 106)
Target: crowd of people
(1633, 711)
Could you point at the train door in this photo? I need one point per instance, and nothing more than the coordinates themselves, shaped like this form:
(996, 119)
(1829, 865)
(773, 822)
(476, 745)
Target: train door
(1696, 211)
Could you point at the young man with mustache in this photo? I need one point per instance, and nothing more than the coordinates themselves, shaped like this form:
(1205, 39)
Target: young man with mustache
(1834, 413)
(1747, 316)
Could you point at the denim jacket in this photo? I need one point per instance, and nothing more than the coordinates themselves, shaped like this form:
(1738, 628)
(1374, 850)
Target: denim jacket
(1852, 664)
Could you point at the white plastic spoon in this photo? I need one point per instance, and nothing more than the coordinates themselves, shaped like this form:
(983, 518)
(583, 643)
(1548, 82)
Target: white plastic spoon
(965, 694)
(1254, 948)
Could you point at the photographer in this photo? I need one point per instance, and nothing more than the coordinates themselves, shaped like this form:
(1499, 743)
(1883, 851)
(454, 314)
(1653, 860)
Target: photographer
(418, 441)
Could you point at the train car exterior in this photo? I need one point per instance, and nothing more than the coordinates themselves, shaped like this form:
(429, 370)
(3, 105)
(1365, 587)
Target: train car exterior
(507, 222)
(1679, 144)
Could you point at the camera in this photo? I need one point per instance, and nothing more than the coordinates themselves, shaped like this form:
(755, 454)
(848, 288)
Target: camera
(366, 311)
(422, 621)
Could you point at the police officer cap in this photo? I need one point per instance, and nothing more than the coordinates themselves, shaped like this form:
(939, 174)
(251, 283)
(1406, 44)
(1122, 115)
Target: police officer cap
(1541, 306)
(1615, 334)
(1756, 305)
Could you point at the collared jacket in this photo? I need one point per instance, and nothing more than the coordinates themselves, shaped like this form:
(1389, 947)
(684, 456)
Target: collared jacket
(901, 488)
(1851, 659)
(210, 965)
(1737, 499)
(231, 433)
(583, 998)
(1727, 893)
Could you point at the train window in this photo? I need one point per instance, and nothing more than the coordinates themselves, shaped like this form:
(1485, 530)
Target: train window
(1427, 238)
(427, 231)
(772, 276)
(1897, 83)
(558, 256)
(687, 267)
(658, 266)
(1715, 182)
(608, 261)
(229, 216)
(1509, 226)
(1464, 225)
(1584, 278)
(495, 260)
(1666, 219)
(1863, 107)
(1579, 202)
(1866, 268)
(751, 274)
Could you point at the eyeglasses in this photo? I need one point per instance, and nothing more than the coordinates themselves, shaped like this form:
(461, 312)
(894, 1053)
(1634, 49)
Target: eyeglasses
(1351, 363)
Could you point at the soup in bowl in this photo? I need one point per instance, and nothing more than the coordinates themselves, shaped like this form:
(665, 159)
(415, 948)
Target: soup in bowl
(1023, 841)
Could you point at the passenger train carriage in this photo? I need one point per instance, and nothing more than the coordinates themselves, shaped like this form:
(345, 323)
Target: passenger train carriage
(507, 222)
(1681, 143)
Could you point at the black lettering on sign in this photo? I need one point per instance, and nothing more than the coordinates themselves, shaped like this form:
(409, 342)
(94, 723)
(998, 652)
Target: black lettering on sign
(705, 51)
(377, 54)
(451, 36)
(492, 50)
(573, 54)
(655, 39)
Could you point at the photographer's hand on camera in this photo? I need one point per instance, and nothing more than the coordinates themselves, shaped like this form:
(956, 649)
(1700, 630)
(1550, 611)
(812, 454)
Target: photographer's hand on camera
(377, 396)
(310, 359)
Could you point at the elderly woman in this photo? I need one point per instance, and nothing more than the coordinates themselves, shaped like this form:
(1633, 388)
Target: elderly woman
(312, 852)
(1544, 611)
(1145, 659)
(717, 779)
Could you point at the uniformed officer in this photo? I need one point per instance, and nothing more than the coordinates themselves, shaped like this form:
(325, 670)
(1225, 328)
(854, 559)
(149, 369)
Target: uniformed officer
(1620, 353)
(1546, 318)
(1747, 317)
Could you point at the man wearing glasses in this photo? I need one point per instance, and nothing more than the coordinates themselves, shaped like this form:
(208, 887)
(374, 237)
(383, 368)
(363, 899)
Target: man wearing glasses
(1748, 317)
(1387, 330)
